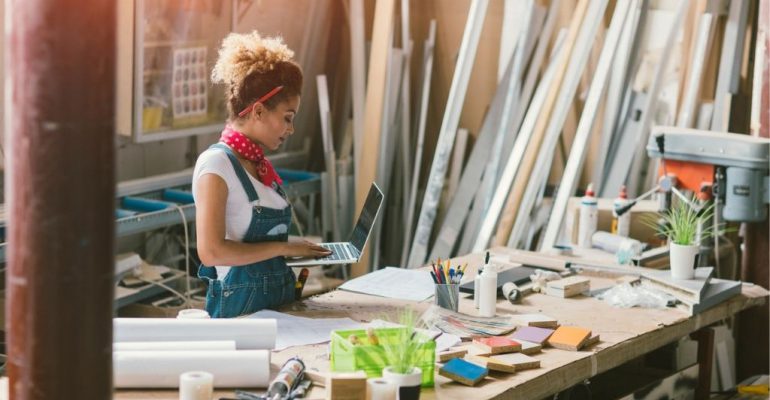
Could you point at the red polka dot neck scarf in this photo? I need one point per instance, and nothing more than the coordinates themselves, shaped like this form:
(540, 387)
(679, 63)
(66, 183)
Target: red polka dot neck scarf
(252, 152)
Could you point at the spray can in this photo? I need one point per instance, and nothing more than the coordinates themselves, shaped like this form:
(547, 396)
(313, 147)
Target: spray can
(589, 218)
(288, 377)
(488, 295)
(621, 224)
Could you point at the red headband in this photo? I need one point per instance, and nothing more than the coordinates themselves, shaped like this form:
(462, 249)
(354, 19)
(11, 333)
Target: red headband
(260, 100)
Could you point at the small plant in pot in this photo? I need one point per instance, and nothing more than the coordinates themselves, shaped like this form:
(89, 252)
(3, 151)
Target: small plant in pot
(402, 355)
(680, 225)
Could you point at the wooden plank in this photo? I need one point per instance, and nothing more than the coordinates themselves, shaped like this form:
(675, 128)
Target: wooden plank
(358, 70)
(458, 156)
(729, 63)
(405, 108)
(419, 250)
(585, 126)
(329, 156)
(427, 74)
(697, 64)
(513, 21)
(506, 222)
(375, 101)
(760, 93)
(478, 241)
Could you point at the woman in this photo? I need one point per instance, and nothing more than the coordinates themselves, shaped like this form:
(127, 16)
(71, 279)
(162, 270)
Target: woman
(242, 214)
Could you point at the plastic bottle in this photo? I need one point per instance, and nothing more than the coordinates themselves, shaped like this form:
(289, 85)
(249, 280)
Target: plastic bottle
(477, 287)
(621, 224)
(488, 295)
(589, 218)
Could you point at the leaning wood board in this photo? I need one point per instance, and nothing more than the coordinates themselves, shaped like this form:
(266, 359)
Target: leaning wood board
(375, 103)
(641, 331)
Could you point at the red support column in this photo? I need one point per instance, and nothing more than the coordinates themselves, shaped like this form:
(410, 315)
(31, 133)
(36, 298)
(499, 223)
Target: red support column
(60, 57)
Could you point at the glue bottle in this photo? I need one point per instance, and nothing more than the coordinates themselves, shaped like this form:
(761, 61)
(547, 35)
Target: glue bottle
(621, 224)
(477, 282)
(589, 218)
(488, 292)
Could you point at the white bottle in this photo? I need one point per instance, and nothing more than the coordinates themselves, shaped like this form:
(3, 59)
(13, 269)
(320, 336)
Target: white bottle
(488, 295)
(589, 218)
(477, 287)
(621, 225)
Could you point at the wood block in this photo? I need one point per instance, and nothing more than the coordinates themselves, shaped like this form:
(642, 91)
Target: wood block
(538, 320)
(473, 350)
(532, 334)
(463, 371)
(519, 361)
(497, 344)
(591, 341)
(569, 338)
(491, 364)
(450, 354)
(568, 287)
(529, 348)
(346, 385)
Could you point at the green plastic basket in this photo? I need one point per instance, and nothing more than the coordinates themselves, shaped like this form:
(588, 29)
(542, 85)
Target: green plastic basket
(369, 358)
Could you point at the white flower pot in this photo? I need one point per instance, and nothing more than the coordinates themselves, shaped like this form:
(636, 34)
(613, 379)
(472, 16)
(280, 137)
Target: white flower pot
(408, 384)
(683, 260)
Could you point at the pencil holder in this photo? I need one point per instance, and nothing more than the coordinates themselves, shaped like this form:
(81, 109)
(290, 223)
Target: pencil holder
(447, 296)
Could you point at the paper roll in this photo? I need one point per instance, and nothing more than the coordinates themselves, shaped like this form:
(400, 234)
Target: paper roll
(196, 385)
(248, 333)
(380, 389)
(172, 346)
(193, 313)
(161, 369)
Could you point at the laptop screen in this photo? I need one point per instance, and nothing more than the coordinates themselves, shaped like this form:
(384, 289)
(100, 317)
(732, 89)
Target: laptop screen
(366, 219)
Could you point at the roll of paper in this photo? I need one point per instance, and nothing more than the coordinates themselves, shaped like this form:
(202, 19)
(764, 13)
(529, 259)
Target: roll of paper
(161, 369)
(174, 346)
(247, 333)
(380, 389)
(196, 385)
(193, 313)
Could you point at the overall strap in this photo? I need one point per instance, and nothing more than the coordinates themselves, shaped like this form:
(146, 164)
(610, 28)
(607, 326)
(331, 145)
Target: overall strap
(239, 171)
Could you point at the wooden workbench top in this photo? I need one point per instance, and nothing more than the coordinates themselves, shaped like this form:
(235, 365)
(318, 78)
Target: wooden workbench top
(625, 335)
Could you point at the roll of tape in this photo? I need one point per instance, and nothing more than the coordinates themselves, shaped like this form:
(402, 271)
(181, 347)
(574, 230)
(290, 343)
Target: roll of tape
(193, 313)
(380, 389)
(196, 385)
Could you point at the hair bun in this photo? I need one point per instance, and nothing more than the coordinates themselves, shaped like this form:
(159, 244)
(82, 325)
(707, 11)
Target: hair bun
(242, 54)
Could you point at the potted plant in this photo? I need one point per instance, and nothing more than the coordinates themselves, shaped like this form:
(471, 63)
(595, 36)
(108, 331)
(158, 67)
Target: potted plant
(401, 354)
(680, 225)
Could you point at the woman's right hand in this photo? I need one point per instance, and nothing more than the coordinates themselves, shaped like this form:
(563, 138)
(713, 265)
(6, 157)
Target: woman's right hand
(304, 248)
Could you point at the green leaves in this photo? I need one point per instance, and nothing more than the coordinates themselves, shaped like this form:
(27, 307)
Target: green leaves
(680, 223)
(401, 350)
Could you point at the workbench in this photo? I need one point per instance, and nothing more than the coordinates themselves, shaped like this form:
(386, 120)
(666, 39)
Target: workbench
(625, 335)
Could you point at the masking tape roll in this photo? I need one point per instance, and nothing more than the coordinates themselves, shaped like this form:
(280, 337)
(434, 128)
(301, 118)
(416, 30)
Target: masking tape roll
(196, 385)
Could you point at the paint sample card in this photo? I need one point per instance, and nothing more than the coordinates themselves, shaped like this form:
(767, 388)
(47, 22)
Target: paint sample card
(530, 348)
(189, 87)
(569, 338)
(532, 334)
(497, 345)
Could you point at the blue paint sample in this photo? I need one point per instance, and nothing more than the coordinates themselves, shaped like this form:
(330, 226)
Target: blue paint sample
(463, 371)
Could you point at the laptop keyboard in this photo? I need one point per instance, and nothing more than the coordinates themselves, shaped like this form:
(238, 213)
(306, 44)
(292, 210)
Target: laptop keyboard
(339, 252)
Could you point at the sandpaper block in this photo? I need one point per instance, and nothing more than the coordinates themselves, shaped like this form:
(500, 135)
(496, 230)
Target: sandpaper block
(464, 372)
(569, 338)
(497, 344)
(568, 287)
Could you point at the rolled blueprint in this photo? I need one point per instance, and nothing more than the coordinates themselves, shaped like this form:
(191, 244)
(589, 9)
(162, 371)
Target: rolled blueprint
(247, 333)
(161, 369)
(174, 346)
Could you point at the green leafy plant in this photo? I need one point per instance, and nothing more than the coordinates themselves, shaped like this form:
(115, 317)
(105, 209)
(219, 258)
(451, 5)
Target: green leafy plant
(401, 347)
(680, 223)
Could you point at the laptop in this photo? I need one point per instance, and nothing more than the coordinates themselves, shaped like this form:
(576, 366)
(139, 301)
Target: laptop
(349, 252)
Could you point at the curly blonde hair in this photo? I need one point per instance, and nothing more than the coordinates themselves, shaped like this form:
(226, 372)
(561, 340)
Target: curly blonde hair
(250, 66)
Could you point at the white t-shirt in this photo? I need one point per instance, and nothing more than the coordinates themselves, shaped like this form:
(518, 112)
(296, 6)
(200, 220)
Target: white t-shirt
(238, 208)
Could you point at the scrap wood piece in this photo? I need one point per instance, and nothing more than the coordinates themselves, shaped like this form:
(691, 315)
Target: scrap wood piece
(445, 356)
(492, 364)
(497, 345)
(464, 372)
(519, 361)
(537, 320)
(529, 348)
(569, 338)
(532, 334)
(568, 287)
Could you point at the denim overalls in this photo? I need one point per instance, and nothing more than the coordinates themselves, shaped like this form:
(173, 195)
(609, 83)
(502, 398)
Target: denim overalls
(253, 287)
